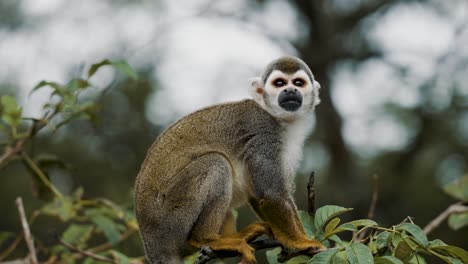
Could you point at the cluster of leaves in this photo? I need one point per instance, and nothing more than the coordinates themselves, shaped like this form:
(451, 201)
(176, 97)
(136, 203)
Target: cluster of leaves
(371, 243)
(458, 189)
(88, 220)
(92, 227)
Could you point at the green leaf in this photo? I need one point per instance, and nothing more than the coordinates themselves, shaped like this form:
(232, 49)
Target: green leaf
(417, 259)
(78, 84)
(403, 251)
(299, 260)
(457, 252)
(351, 226)
(107, 226)
(331, 226)
(11, 112)
(340, 258)
(337, 240)
(120, 65)
(4, 236)
(324, 257)
(8, 103)
(96, 66)
(457, 221)
(416, 232)
(272, 255)
(58, 89)
(77, 234)
(359, 254)
(458, 188)
(62, 208)
(327, 212)
(308, 223)
(387, 260)
(119, 257)
(363, 222)
(436, 243)
(125, 68)
(92, 261)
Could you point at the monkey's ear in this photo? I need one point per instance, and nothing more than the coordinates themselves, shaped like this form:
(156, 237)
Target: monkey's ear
(257, 89)
(317, 85)
(316, 89)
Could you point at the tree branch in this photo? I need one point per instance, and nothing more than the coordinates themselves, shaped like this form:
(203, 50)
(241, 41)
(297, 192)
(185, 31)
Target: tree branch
(349, 21)
(27, 234)
(455, 208)
(11, 151)
(207, 254)
(375, 196)
(85, 252)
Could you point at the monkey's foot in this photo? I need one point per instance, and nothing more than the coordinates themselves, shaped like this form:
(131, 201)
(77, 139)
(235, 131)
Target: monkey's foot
(206, 254)
(226, 248)
(287, 253)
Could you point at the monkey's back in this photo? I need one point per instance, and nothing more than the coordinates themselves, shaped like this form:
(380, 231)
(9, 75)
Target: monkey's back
(223, 129)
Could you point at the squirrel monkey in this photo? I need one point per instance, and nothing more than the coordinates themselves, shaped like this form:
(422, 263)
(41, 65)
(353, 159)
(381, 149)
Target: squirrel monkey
(222, 157)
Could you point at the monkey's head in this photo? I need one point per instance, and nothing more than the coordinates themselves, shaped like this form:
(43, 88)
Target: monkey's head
(287, 88)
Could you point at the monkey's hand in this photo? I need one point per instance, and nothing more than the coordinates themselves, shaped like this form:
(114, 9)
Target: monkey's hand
(287, 253)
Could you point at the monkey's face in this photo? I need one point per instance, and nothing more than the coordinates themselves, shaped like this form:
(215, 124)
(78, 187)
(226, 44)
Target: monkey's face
(290, 95)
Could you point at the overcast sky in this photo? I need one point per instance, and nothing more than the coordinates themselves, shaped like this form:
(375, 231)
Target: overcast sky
(200, 60)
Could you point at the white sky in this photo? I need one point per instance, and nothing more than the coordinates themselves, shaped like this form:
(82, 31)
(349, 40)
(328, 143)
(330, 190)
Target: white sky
(203, 60)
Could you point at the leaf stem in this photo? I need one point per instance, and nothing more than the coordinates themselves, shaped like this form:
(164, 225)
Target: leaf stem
(41, 175)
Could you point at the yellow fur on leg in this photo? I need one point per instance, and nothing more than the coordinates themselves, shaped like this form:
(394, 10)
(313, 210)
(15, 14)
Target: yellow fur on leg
(229, 225)
(252, 231)
(299, 243)
(228, 244)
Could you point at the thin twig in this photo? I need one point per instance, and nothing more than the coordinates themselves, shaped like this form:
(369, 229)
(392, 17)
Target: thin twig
(108, 245)
(375, 196)
(456, 208)
(12, 247)
(27, 234)
(11, 151)
(40, 174)
(311, 194)
(85, 252)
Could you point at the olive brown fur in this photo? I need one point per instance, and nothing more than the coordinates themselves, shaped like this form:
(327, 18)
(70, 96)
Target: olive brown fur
(219, 158)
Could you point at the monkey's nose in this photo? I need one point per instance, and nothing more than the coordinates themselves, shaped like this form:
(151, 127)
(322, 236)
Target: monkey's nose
(290, 91)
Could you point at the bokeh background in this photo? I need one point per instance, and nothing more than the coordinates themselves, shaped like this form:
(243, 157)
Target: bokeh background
(393, 75)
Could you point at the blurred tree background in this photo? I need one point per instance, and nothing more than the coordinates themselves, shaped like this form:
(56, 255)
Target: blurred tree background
(394, 95)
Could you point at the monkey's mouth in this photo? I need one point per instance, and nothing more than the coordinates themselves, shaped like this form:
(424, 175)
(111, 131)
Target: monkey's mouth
(290, 102)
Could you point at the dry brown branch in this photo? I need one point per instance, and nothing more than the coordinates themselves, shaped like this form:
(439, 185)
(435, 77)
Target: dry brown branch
(11, 151)
(311, 194)
(17, 261)
(85, 252)
(12, 247)
(27, 234)
(373, 203)
(109, 245)
(455, 208)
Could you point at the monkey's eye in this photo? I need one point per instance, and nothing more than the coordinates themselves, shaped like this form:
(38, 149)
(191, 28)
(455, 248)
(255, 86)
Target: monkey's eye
(279, 82)
(299, 82)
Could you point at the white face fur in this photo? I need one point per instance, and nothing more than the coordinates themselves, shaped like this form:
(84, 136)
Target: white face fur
(267, 95)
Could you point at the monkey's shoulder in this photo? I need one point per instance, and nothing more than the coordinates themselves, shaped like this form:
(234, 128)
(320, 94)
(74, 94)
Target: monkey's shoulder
(245, 114)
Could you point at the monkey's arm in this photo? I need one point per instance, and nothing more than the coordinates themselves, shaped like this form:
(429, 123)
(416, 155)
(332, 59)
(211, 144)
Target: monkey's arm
(274, 204)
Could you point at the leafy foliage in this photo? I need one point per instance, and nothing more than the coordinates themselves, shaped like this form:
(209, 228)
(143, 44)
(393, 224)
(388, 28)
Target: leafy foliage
(402, 243)
(92, 226)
